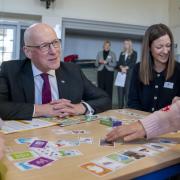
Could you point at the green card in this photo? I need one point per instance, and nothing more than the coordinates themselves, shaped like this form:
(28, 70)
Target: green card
(120, 158)
(21, 155)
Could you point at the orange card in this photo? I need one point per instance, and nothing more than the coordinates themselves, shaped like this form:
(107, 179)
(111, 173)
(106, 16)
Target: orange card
(96, 169)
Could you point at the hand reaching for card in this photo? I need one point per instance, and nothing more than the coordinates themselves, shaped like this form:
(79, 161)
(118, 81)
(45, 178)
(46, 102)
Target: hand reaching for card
(127, 132)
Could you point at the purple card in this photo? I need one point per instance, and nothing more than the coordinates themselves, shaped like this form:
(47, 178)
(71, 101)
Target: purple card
(38, 144)
(40, 162)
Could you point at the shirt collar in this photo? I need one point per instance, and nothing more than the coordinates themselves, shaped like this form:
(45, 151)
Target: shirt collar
(37, 72)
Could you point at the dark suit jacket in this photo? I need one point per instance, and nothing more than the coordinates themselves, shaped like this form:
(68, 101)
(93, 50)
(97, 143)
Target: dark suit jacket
(17, 89)
(130, 61)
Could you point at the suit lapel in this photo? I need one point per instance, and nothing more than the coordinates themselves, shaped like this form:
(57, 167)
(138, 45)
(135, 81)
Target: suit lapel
(28, 82)
(62, 83)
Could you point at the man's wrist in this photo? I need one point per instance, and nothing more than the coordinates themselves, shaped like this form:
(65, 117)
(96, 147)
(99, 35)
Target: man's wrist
(90, 110)
(38, 110)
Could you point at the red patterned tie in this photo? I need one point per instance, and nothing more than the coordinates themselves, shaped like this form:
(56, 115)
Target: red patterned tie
(46, 89)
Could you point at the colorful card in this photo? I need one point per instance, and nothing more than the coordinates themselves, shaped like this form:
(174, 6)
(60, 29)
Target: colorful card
(38, 144)
(41, 162)
(146, 151)
(69, 153)
(157, 147)
(105, 143)
(25, 140)
(68, 122)
(134, 154)
(21, 155)
(60, 131)
(49, 151)
(24, 166)
(85, 140)
(164, 141)
(108, 163)
(120, 158)
(79, 132)
(67, 143)
(96, 169)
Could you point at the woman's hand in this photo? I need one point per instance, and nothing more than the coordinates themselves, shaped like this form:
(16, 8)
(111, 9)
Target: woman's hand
(175, 99)
(127, 132)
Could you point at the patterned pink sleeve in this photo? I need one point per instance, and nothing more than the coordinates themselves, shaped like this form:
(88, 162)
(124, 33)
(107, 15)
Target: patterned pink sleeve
(161, 122)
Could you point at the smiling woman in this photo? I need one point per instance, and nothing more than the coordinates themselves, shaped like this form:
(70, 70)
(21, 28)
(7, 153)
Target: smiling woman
(155, 81)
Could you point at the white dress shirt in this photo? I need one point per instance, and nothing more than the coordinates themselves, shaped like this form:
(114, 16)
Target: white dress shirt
(38, 84)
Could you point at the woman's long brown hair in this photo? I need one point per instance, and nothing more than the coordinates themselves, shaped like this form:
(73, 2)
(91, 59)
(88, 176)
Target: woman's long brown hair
(146, 65)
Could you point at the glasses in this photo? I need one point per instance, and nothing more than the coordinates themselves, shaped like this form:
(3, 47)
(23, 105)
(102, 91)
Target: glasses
(44, 47)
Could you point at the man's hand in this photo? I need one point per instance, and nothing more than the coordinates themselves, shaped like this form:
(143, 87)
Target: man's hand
(59, 108)
(127, 132)
(71, 109)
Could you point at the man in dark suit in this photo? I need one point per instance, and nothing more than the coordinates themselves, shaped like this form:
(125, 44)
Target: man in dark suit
(42, 86)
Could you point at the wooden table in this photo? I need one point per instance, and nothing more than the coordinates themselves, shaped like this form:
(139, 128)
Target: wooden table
(68, 168)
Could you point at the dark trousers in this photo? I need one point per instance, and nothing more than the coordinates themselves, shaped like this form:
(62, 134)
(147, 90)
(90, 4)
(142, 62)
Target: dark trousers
(105, 80)
(123, 92)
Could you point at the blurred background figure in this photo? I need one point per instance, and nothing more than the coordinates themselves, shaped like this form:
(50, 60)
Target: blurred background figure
(127, 60)
(106, 62)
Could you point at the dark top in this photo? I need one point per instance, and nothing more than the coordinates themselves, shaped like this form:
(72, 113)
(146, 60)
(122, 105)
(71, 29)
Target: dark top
(158, 94)
(17, 89)
(130, 61)
(105, 54)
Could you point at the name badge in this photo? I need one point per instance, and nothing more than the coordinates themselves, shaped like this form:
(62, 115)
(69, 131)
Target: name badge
(168, 85)
(109, 57)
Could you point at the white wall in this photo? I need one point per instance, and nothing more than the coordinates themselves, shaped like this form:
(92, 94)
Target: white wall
(139, 12)
(174, 6)
(88, 47)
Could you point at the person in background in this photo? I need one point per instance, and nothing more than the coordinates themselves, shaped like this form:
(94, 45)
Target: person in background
(156, 79)
(106, 62)
(127, 60)
(158, 123)
(42, 85)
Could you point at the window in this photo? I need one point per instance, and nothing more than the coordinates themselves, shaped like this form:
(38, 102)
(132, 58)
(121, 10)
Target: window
(7, 43)
(11, 40)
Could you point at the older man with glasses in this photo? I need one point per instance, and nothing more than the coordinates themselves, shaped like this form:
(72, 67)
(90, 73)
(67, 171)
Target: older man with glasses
(41, 85)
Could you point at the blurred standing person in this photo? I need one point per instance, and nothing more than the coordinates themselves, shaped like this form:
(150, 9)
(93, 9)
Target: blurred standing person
(127, 60)
(106, 62)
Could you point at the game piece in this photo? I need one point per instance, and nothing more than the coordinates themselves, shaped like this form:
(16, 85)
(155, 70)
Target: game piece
(110, 121)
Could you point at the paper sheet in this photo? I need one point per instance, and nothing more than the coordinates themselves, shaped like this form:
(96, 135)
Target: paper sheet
(120, 79)
(21, 125)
